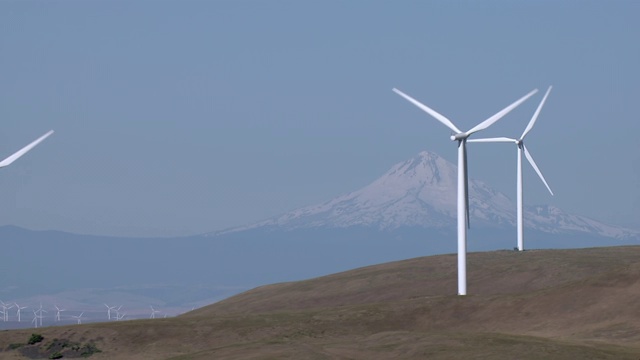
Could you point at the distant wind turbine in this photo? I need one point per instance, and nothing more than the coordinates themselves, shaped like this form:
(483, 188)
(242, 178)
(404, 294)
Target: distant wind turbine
(153, 313)
(58, 311)
(19, 308)
(35, 319)
(5, 310)
(78, 317)
(109, 308)
(24, 150)
(41, 310)
(521, 148)
(120, 316)
(463, 183)
(117, 311)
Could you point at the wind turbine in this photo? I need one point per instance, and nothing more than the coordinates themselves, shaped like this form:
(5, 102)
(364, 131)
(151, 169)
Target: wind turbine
(521, 148)
(463, 184)
(109, 308)
(120, 316)
(78, 317)
(35, 318)
(58, 311)
(41, 310)
(117, 312)
(153, 313)
(19, 308)
(24, 150)
(5, 310)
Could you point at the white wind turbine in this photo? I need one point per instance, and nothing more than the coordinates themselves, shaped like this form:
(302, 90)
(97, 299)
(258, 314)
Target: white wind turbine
(78, 317)
(24, 150)
(41, 310)
(109, 308)
(35, 318)
(521, 148)
(5, 310)
(19, 308)
(463, 185)
(58, 311)
(153, 313)
(117, 312)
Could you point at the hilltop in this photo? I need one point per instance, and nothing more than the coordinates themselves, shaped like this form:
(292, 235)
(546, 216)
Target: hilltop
(556, 304)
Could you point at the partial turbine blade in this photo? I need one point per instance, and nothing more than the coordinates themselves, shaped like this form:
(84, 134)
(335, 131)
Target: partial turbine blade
(485, 124)
(535, 115)
(24, 150)
(466, 185)
(498, 139)
(430, 111)
(535, 167)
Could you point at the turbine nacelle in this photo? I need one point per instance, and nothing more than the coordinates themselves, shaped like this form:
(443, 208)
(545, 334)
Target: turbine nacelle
(459, 136)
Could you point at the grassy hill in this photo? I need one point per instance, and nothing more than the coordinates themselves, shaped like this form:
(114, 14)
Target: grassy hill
(552, 304)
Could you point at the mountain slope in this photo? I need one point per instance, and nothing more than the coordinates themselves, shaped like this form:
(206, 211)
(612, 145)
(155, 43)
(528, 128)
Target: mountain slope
(421, 192)
(555, 304)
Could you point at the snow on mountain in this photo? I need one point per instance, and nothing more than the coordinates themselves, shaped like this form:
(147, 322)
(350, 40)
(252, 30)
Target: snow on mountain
(421, 192)
(548, 218)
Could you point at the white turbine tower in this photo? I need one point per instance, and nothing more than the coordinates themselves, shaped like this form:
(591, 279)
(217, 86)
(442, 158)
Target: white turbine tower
(19, 308)
(78, 317)
(521, 148)
(58, 311)
(463, 201)
(24, 150)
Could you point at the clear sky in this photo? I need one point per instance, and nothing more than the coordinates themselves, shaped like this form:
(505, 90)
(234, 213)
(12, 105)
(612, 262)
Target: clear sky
(183, 117)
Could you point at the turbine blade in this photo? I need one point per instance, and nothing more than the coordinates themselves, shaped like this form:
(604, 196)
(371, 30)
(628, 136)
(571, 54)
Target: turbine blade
(498, 139)
(535, 167)
(466, 185)
(24, 150)
(485, 124)
(429, 111)
(535, 115)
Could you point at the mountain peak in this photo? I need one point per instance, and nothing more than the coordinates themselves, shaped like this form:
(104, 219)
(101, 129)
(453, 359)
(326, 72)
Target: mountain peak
(422, 192)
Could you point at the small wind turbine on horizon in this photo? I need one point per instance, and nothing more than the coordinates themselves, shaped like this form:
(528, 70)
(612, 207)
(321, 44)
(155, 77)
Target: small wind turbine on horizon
(40, 310)
(78, 317)
(35, 319)
(109, 308)
(15, 156)
(153, 313)
(117, 312)
(19, 308)
(520, 149)
(5, 310)
(58, 311)
(463, 183)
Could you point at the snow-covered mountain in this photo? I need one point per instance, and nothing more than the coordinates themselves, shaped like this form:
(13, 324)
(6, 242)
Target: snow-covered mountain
(421, 192)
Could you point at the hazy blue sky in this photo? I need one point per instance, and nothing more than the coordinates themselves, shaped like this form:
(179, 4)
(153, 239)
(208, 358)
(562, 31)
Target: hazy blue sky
(183, 117)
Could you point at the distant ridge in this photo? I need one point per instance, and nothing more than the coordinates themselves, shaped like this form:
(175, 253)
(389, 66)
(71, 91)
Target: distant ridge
(421, 192)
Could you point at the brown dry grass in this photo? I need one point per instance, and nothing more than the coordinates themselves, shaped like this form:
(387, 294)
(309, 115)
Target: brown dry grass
(552, 304)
